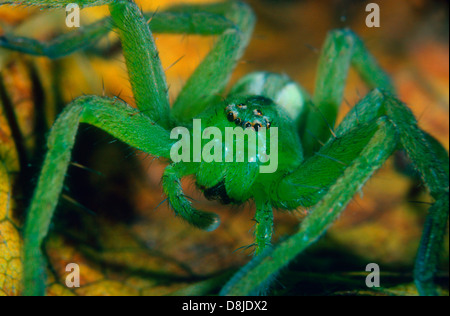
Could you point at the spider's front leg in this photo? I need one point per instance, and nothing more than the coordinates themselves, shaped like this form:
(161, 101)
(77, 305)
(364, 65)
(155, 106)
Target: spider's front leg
(113, 116)
(60, 46)
(132, 126)
(333, 174)
(342, 50)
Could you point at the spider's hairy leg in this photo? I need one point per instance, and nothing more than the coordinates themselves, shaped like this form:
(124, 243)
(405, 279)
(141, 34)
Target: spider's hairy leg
(342, 49)
(60, 46)
(11, 245)
(431, 160)
(201, 23)
(211, 77)
(264, 224)
(114, 117)
(369, 134)
(280, 88)
(146, 74)
(233, 21)
(261, 270)
(179, 203)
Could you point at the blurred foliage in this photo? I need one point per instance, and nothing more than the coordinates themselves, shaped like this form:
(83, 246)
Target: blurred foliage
(111, 221)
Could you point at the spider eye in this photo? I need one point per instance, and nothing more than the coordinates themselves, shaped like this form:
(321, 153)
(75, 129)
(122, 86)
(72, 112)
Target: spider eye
(257, 126)
(248, 125)
(238, 121)
(229, 107)
(242, 106)
(231, 116)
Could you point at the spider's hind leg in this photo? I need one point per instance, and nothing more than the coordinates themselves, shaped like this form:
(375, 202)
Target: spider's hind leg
(342, 49)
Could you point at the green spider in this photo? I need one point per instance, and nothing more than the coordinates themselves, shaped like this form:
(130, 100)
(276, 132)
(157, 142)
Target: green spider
(324, 178)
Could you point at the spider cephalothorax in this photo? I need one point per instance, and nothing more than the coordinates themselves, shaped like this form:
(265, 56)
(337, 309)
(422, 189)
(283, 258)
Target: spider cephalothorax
(250, 113)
